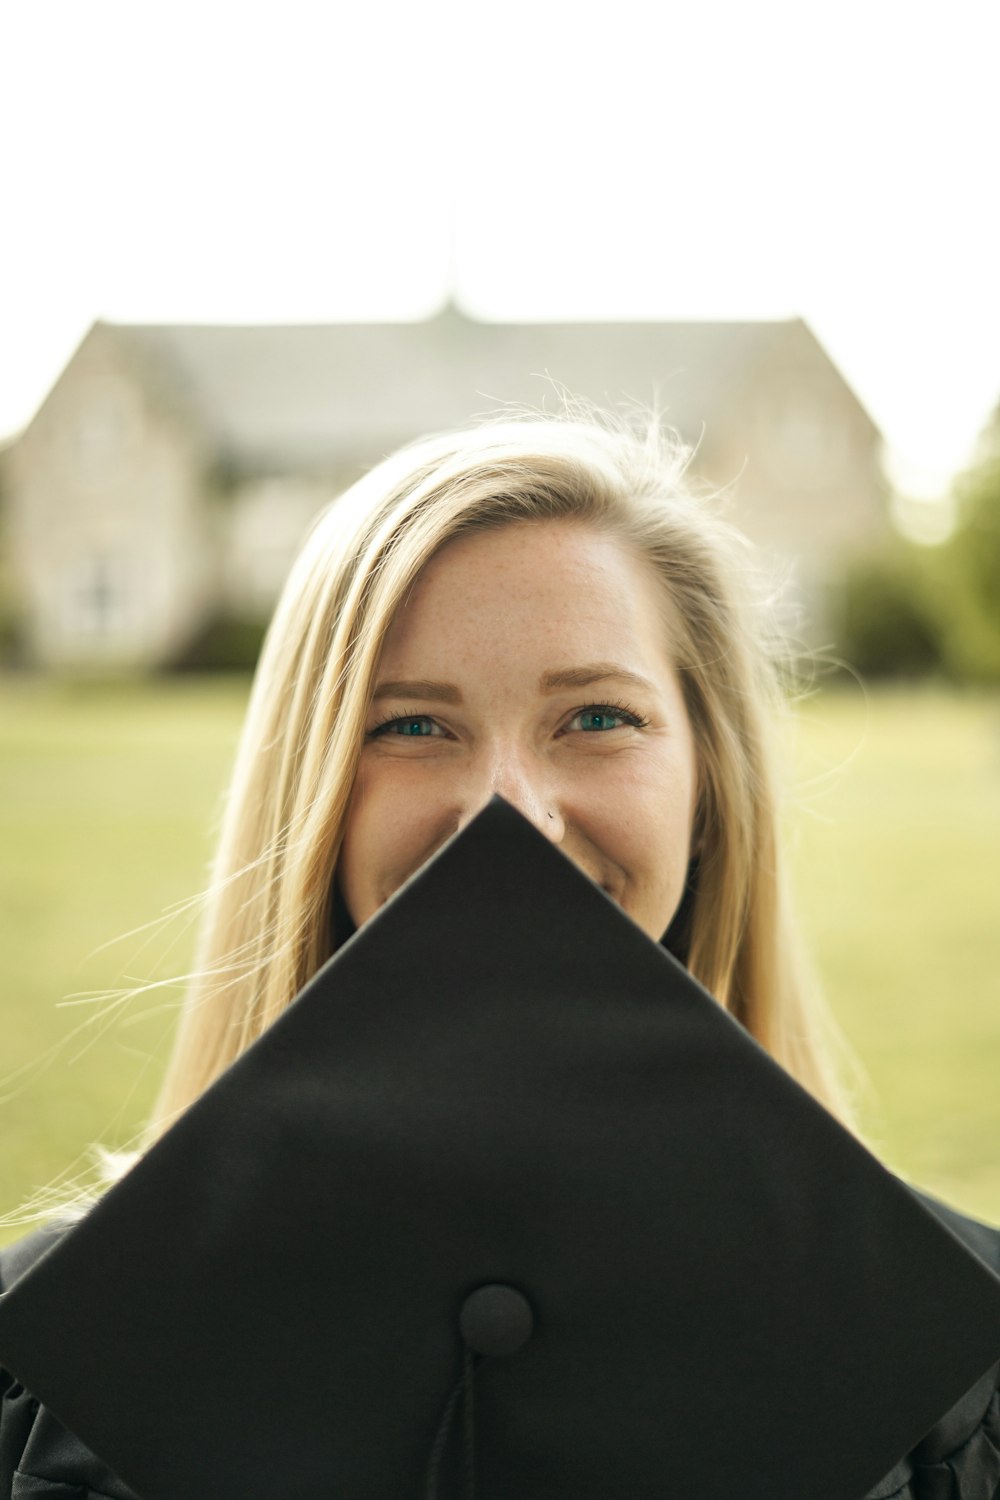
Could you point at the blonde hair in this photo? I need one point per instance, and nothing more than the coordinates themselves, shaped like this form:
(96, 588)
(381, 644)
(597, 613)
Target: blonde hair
(267, 926)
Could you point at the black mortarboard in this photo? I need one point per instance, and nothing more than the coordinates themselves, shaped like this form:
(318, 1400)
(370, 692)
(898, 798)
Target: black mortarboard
(504, 1198)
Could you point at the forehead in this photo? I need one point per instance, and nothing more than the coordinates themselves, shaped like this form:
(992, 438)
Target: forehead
(535, 588)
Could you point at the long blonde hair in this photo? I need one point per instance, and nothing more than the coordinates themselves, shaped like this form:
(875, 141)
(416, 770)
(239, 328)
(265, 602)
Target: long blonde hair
(267, 924)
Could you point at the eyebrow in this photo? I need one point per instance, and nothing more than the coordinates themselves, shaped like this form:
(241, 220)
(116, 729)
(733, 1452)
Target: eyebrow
(585, 676)
(549, 682)
(441, 692)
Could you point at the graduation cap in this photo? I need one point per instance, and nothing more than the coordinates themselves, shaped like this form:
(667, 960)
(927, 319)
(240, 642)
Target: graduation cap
(505, 1204)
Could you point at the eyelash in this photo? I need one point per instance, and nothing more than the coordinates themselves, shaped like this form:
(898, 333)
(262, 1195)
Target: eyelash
(386, 723)
(618, 709)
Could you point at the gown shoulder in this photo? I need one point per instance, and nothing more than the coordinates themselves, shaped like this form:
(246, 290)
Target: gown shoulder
(959, 1459)
(39, 1458)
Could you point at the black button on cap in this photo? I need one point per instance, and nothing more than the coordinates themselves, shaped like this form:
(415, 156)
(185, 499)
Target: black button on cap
(496, 1319)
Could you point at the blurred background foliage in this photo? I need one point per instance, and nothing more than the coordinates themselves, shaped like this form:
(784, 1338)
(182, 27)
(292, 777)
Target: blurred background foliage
(918, 611)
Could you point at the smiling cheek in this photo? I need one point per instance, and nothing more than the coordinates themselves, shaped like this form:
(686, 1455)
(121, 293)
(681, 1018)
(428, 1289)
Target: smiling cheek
(392, 827)
(650, 840)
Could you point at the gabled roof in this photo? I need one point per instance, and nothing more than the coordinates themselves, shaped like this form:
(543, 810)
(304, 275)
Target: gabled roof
(279, 396)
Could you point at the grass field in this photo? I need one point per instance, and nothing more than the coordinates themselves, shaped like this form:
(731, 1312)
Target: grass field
(107, 800)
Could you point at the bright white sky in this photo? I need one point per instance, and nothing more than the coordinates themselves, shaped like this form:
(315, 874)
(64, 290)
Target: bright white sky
(216, 162)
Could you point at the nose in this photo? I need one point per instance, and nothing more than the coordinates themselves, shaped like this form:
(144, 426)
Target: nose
(511, 773)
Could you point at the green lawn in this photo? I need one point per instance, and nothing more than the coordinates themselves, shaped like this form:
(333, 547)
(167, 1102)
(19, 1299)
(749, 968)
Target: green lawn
(898, 857)
(107, 800)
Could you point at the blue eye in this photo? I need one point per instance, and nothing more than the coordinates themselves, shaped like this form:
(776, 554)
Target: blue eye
(600, 717)
(407, 726)
(596, 718)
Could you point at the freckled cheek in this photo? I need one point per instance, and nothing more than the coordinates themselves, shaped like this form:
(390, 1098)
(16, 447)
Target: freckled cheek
(390, 822)
(651, 835)
(655, 794)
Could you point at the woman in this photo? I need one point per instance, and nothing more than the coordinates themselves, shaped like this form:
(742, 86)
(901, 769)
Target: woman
(311, 726)
(537, 609)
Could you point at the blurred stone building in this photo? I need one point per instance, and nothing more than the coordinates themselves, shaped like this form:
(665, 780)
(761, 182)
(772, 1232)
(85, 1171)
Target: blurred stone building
(168, 478)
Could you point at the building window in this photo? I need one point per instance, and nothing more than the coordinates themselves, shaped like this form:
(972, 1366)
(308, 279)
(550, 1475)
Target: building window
(100, 597)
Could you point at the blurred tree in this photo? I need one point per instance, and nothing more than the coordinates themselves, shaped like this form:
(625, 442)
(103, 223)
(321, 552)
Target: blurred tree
(912, 610)
(227, 643)
(11, 645)
(967, 584)
(883, 614)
